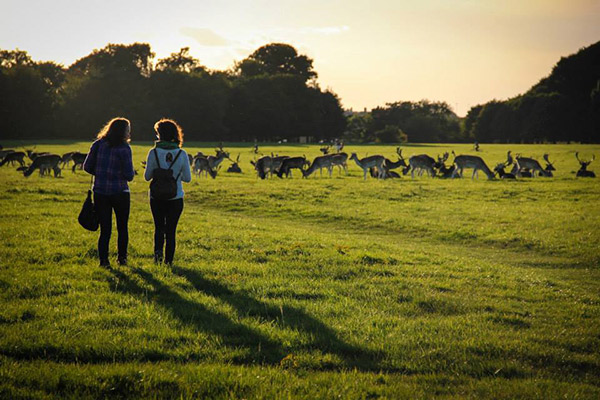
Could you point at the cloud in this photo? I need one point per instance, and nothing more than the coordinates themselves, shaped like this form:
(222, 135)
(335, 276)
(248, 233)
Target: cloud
(205, 37)
(326, 30)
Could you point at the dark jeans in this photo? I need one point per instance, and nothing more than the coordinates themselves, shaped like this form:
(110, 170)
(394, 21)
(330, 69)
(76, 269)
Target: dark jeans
(166, 215)
(104, 206)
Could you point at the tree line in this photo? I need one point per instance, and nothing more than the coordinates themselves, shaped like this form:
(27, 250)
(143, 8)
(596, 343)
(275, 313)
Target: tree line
(273, 95)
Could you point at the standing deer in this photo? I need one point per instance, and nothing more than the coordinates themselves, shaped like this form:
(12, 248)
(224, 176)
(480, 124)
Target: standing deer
(422, 162)
(319, 163)
(201, 164)
(467, 161)
(290, 163)
(44, 162)
(341, 161)
(529, 164)
(78, 159)
(583, 172)
(15, 156)
(366, 163)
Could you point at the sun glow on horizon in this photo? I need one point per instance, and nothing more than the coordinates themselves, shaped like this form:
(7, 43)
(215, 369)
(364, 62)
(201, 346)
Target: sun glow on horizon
(369, 53)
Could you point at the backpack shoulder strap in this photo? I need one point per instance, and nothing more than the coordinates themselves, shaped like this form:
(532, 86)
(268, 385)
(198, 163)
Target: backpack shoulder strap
(156, 156)
(175, 159)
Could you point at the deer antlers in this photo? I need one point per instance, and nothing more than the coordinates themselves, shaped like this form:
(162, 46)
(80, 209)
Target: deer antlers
(582, 162)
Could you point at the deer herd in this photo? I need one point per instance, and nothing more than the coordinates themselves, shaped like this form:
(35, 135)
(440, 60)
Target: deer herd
(376, 166)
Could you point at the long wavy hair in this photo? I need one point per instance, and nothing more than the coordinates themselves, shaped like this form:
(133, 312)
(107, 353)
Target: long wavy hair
(116, 131)
(169, 131)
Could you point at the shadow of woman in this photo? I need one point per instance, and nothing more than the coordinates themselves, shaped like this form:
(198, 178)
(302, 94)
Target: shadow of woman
(323, 338)
(259, 348)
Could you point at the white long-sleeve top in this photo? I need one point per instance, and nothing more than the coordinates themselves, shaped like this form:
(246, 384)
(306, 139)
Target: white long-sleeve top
(181, 166)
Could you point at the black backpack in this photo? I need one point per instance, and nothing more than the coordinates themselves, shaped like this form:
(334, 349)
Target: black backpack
(164, 185)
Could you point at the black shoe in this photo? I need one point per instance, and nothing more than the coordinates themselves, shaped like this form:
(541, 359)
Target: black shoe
(122, 261)
(158, 258)
(104, 263)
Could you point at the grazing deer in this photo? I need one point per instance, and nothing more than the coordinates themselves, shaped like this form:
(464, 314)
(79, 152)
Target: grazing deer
(445, 172)
(529, 164)
(320, 162)
(290, 163)
(66, 159)
(366, 163)
(43, 163)
(262, 166)
(4, 153)
(201, 164)
(583, 172)
(15, 156)
(235, 166)
(422, 162)
(78, 160)
(341, 161)
(467, 161)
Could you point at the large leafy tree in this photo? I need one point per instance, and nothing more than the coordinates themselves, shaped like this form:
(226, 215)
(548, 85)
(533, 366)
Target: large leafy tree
(277, 58)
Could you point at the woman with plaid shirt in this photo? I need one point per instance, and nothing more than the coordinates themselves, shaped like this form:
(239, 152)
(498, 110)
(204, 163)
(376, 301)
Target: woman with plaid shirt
(110, 161)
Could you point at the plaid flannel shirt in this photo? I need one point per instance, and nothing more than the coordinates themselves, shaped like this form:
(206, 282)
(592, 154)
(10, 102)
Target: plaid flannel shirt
(112, 167)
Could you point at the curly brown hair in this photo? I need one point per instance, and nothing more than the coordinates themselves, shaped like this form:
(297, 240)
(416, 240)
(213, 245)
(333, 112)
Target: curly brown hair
(169, 131)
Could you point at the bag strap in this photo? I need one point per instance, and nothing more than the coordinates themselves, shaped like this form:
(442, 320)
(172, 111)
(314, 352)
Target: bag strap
(156, 156)
(92, 183)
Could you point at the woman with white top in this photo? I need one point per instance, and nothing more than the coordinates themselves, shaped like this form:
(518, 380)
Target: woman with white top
(167, 152)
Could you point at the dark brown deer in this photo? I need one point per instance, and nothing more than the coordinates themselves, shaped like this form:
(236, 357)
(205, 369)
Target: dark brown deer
(290, 163)
(15, 156)
(43, 163)
(583, 172)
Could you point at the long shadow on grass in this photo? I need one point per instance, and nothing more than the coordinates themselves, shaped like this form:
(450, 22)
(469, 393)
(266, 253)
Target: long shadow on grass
(323, 338)
(260, 348)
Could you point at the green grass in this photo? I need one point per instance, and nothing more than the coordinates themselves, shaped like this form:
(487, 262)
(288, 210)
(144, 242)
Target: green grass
(310, 288)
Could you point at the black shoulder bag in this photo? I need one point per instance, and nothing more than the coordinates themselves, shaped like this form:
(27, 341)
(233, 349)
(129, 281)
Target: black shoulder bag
(87, 216)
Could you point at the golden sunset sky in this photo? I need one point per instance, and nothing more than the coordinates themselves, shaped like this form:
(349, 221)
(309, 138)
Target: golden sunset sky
(370, 53)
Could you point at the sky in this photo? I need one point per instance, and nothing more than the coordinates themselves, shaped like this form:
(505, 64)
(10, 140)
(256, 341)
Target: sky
(464, 52)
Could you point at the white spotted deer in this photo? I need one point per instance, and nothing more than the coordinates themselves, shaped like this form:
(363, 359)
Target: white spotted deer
(43, 163)
(320, 162)
(367, 163)
(468, 161)
(530, 164)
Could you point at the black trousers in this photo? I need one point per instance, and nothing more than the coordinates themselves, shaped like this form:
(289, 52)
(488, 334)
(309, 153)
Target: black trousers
(166, 215)
(105, 204)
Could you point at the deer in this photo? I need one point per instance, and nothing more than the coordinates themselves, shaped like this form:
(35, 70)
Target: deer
(15, 156)
(369, 162)
(422, 162)
(214, 161)
(320, 162)
(549, 167)
(45, 162)
(201, 164)
(583, 172)
(530, 164)
(4, 153)
(499, 169)
(290, 163)
(66, 159)
(325, 150)
(263, 166)
(445, 172)
(235, 166)
(468, 161)
(33, 155)
(341, 161)
(78, 159)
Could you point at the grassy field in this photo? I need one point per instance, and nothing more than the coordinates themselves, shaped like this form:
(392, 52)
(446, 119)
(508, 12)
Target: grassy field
(310, 288)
